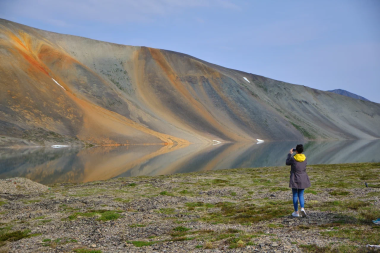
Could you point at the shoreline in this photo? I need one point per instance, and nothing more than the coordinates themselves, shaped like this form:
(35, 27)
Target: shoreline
(235, 210)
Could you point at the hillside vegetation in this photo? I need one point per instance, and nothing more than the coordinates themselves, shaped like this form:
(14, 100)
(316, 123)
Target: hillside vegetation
(229, 210)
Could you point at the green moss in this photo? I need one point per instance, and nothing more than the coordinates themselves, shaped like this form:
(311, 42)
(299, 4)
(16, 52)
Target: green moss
(181, 229)
(183, 238)
(373, 194)
(165, 193)
(340, 205)
(219, 181)
(142, 243)
(167, 210)
(87, 251)
(339, 193)
(356, 234)
(275, 225)
(198, 205)
(233, 230)
(109, 215)
(137, 226)
(312, 192)
(104, 215)
(315, 248)
(14, 236)
(194, 204)
(244, 214)
(184, 192)
(274, 189)
(46, 221)
(58, 241)
(369, 213)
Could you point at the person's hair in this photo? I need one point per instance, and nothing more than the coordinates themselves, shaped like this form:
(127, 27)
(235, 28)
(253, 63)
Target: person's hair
(299, 148)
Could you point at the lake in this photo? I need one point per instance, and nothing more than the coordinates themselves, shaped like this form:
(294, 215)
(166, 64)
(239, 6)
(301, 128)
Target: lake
(75, 165)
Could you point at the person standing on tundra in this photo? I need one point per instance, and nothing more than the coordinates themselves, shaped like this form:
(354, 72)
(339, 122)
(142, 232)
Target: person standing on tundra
(299, 180)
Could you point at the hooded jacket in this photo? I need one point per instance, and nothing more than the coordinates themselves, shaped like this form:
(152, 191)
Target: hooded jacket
(298, 176)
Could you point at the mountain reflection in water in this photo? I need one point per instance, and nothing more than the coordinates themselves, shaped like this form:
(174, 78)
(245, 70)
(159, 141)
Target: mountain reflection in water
(48, 165)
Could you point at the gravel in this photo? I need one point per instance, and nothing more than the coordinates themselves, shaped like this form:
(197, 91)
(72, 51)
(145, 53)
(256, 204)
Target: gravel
(19, 185)
(149, 210)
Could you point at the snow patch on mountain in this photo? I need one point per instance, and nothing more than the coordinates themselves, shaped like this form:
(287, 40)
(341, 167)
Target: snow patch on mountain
(58, 84)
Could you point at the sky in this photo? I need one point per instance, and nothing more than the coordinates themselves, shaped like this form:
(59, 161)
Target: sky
(321, 44)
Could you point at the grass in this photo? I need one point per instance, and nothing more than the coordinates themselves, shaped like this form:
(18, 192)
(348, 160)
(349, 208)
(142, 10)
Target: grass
(311, 191)
(181, 229)
(235, 243)
(180, 232)
(248, 213)
(348, 218)
(14, 236)
(220, 182)
(339, 193)
(184, 192)
(89, 192)
(313, 248)
(275, 225)
(46, 221)
(167, 211)
(341, 205)
(142, 243)
(87, 251)
(109, 215)
(275, 189)
(343, 176)
(58, 241)
(165, 193)
(121, 200)
(198, 205)
(104, 215)
(356, 234)
(137, 226)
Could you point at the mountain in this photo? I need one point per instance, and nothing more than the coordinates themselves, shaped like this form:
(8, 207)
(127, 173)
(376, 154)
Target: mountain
(348, 94)
(57, 88)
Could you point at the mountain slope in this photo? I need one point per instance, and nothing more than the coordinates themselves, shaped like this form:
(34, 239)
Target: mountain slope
(347, 94)
(109, 94)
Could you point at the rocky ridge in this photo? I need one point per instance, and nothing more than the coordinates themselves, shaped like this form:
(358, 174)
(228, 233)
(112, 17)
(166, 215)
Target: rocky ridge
(77, 90)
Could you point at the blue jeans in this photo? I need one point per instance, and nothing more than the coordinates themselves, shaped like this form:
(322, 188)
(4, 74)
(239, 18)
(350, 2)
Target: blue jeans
(298, 194)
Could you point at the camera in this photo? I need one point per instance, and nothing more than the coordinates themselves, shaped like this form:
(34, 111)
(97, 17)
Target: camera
(294, 149)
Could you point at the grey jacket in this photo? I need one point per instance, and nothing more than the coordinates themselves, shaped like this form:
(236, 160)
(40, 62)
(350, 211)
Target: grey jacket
(298, 176)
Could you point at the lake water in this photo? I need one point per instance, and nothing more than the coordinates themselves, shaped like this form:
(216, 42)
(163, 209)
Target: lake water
(49, 165)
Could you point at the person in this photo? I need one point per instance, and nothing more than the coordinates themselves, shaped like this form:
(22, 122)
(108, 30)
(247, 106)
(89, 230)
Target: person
(299, 180)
